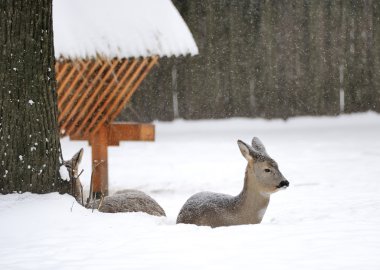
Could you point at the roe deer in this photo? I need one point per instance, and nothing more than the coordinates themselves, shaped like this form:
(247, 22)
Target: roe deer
(72, 167)
(128, 200)
(262, 178)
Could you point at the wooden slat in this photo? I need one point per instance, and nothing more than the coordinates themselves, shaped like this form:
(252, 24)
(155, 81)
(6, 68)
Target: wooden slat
(99, 120)
(85, 111)
(79, 90)
(62, 70)
(89, 74)
(83, 107)
(112, 95)
(133, 89)
(85, 81)
(82, 68)
(88, 92)
(71, 88)
(89, 114)
(98, 76)
(120, 97)
(63, 94)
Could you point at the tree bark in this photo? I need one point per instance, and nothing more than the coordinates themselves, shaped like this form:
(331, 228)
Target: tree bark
(29, 140)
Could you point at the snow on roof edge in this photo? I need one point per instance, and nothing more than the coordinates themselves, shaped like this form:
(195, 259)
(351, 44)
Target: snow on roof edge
(158, 29)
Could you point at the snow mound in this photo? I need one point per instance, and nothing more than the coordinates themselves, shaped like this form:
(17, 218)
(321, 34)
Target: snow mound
(64, 173)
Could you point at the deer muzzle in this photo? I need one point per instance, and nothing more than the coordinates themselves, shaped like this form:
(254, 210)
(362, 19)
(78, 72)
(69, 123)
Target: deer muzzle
(283, 184)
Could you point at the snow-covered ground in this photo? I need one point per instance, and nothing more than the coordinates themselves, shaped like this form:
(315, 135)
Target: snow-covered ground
(329, 217)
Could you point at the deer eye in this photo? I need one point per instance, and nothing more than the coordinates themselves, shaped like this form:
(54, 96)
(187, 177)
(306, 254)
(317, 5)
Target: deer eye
(267, 170)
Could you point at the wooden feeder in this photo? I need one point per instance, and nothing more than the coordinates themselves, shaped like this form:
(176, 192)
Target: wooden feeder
(91, 94)
(99, 67)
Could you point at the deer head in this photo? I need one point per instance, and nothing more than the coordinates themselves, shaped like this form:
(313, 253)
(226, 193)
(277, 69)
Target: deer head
(72, 166)
(262, 170)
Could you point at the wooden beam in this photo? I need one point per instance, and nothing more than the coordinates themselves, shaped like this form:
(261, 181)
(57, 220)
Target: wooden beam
(130, 132)
(100, 161)
(121, 131)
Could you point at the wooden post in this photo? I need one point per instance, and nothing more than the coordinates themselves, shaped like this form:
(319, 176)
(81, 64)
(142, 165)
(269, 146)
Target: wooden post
(99, 143)
(111, 135)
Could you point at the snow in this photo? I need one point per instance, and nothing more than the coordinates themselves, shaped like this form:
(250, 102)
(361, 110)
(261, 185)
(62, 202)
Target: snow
(64, 173)
(329, 217)
(119, 28)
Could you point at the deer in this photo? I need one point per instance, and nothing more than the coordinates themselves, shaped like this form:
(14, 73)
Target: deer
(262, 178)
(128, 200)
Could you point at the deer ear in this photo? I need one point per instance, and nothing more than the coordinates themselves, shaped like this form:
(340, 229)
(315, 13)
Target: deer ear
(259, 146)
(245, 150)
(77, 158)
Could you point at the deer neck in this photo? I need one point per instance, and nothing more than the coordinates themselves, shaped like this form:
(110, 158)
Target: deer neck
(252, 202)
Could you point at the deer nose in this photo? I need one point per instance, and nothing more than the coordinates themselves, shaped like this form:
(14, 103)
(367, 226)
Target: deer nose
(284, 183)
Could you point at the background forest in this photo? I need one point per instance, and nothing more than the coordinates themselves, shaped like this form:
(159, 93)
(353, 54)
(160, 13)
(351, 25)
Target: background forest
(272, 59)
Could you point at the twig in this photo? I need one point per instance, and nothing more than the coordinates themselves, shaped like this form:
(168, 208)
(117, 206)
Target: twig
(72, 179)
(79, 174)
(90, 196)
(100, 203)
(81, 192)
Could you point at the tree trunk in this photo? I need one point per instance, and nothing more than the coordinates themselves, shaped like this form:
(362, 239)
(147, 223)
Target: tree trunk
(29, 140)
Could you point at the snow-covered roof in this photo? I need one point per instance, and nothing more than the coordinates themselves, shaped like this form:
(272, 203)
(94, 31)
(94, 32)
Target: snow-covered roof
(119, 28)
